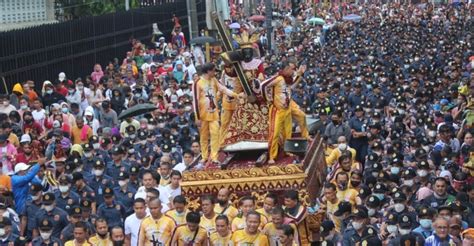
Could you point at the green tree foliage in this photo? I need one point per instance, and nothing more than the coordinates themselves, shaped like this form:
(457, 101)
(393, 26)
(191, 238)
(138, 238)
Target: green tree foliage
(73, 9)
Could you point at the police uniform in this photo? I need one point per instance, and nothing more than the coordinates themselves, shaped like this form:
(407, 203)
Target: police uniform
(88, 161)
(113, 170)
(351, 237)
(115, 213)
(405, 222)
(400, 197)
(58, 216)
(125, 196)
(31, 208)
(68, 232)
(81, 168)
(71, 199)
(100, 183)
(133, 182)
(46, 225)
(85, 192)
(86, 207)
(360, 144)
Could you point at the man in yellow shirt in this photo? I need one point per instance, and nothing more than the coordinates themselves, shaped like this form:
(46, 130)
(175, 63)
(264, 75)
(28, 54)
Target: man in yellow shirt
(102, 233)
(80, 235)
(207, 114)
(247, 204)
(269, 203)
(278, 219)
(250, 235)
(190, 233)
(208, 218)
(286, 235)
(156, 228)
(343, 192)
(280, 111)
(228, 103)
(297, 211)
(222, 235)
(179, 212)
(224, 206)
(337, 152)
(80, 133)
(331, 204)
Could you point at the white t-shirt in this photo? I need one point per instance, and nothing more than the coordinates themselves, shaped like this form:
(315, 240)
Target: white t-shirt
(132, 227)
(141, 193)
(180, 167)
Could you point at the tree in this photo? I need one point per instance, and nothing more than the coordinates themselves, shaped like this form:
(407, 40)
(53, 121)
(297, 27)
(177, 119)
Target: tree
(74, 9)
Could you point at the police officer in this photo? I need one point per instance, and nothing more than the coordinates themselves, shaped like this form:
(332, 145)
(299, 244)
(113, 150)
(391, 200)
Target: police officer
(31, 208)
(75, 215)
(80, 168)
(425, 218)
(400, 206)
(82, 189)
(50, 211)
(8, 236)
(373, 210)
(46, 238)
(100, 181)
(134, 180)
(359, 141)
(113, 211)
(117, 165)
(405, 225)
(124, 192)
(360, 227)
(65, 197)
(87, 215)
(89, 157)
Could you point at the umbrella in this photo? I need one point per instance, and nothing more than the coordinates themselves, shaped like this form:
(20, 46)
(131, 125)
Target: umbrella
(136, 110)
(234, 25)
(352, 17)
(257, 18)
(316, 21)
(203, 40)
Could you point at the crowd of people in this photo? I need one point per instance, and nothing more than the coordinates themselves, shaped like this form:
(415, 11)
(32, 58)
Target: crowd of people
(390, 93)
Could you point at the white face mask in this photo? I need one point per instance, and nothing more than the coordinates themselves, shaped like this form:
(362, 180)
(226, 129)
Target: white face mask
(131, 151)
(357, 225)
(342, 146)
(88, 154)
(24, 107)
(122, 183)
(408, 182)
(150, 127)
(48, 208)
(98, 172)
(2, 232)
(45, 235)
(132, 136)
(187, 108)
(35, 198)
(63, 188)
(432, 134)
(6, 103)
(392, 229)
(422, 173)
(426, 223)
(399, 207)
(404, 231)
(96, 145)
(371, 212)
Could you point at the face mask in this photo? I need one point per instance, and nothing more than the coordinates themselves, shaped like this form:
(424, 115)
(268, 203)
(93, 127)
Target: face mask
(342, 146)
(63, 188)
(335, 122)
(422, 173)
(357, 225)
(426, 223)
(342, 186)
(78, 170)
(24, 107)
(150, 127)
(395, 170)
(45, 235)
(118, 243)
(392, 229)
(49, 92)
(371, 212)
(409, 182)
(122, 183)
(96, 146)
(35, 198)
(48, 208)
(88, 154)
(187, 108)
(355, 183)
(2, 232)
(375, 174)
(222, 202)
(71, 91)
(404, 231)
(379, 196)
(399, 207)
(98, 172)
(80, 87)
(131, 151)
(132, 136)
(432, 134)
(161, 125)
(65, 110)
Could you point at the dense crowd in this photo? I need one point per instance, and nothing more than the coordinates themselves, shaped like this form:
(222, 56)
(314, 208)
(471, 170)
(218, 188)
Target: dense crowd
(390, 93)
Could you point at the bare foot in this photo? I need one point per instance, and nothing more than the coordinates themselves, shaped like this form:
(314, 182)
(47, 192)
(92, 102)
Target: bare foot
(271, 162)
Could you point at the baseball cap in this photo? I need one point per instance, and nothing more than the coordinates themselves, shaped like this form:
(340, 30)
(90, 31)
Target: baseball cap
(48, 198)
(342, 208)
(21, 167)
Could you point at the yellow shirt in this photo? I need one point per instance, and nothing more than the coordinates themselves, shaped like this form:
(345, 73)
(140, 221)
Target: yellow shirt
(76, 135)
(335, 154)
(239, 223)
(97, 241)
(231, 212)
(270, 230)
(159, 230)
(183, 236)
(263, 213)
(178, 218)
(242, 238)
(204, 97)
(331, 208)
(281, 92)
(164, 182)
(348, 195)
(71, 243)
(13, 139)
(216, 240)
(208, 224)
(233, 84)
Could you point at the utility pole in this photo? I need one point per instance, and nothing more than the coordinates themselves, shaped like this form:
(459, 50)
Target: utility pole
(268, 22)
(192, 19)
(127, 5)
